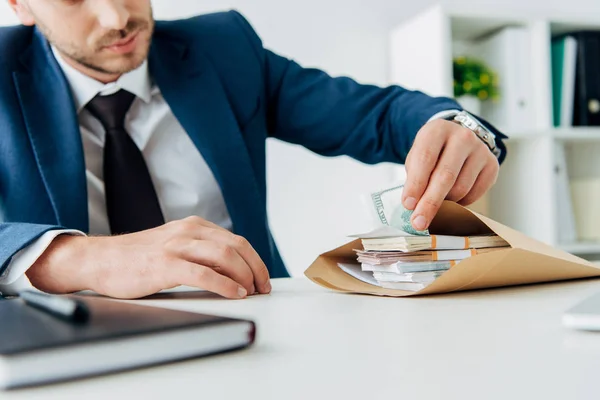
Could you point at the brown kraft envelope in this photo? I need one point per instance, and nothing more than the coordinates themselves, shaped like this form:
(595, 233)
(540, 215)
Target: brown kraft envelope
(526, 261)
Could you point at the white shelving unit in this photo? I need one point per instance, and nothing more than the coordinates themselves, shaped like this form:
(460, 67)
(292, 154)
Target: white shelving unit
(525, 196)
(566, 135)
(581, 247)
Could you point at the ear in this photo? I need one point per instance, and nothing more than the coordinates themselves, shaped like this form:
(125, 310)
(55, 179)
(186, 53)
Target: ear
(22, 11)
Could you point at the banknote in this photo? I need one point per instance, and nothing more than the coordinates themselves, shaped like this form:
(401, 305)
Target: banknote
(420, 277)
(410, 267)
(390, 211)
(433, 242)
(390, 257)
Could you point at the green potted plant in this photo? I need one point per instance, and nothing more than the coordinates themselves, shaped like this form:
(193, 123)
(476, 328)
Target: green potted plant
(474, 82)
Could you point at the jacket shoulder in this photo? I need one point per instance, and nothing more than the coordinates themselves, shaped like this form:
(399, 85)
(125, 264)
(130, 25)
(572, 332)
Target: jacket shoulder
(235, 51)
(216, 32)
(13, 41)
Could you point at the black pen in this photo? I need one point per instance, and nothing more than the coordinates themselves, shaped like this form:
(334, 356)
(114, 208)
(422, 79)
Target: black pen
(63, 307)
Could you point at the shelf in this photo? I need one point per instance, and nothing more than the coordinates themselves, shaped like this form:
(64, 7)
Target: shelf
(581, 248)
(573, 134)
(472, 23)
(559, 28)
(577, 133)
(473, 28)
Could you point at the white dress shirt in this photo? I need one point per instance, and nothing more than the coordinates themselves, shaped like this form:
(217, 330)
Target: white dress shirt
(184, 183)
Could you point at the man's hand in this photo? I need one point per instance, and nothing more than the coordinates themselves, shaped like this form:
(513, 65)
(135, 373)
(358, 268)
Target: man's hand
(447, 161)
(191, 252)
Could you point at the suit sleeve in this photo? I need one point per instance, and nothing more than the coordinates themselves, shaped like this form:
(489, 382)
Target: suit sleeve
(13, 276)
(335, 116)
(15, 236)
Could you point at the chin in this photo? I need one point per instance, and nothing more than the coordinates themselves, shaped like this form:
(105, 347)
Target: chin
(132, 64)
(125, 64)
(132, 61)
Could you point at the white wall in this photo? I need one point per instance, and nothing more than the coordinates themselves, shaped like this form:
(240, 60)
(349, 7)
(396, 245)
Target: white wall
(314, 202)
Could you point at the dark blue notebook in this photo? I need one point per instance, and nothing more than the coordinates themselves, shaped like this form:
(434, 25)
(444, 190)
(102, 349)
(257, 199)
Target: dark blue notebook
(36, 347)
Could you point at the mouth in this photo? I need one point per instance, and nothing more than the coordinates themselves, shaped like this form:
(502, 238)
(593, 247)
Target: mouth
(125, 45)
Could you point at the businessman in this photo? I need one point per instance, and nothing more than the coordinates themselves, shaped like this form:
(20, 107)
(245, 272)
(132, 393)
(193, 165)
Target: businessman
(132, 152)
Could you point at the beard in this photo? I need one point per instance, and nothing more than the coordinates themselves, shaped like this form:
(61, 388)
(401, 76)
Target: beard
(92, 58)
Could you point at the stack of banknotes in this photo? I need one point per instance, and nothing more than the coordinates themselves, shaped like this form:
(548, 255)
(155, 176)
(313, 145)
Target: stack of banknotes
(400, 257)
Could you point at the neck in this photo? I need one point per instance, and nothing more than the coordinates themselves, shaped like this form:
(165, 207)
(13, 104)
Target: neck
(103, 77)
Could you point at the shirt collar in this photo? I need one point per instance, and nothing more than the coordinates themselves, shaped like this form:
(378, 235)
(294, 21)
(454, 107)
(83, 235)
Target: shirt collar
(84, 88)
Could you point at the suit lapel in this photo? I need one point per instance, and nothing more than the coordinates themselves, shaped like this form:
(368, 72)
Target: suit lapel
(192, 88)
(53, 129)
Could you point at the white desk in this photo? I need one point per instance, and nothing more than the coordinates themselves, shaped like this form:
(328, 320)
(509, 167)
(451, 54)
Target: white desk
(316, 344)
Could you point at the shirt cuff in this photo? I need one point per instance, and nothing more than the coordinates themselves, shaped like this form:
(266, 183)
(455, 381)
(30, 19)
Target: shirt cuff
(444, 115)
(14, 279)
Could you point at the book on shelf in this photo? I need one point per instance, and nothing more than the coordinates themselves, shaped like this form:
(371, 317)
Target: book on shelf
(575, 79)
(507, 53)
(565, 214)
(585, 193)
(564, 60)
(587, 82)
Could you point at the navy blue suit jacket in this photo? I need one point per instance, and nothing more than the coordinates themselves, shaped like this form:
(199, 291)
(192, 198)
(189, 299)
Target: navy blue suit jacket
(228, 92)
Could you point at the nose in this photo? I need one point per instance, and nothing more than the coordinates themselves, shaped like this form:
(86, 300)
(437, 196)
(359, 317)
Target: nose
(111, 14)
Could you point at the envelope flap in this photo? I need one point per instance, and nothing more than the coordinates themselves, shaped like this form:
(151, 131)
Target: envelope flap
(520, 241)
(455, 220)
(346, 251)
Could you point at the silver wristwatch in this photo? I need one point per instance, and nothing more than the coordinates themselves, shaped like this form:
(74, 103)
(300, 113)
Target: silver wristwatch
(468, 121)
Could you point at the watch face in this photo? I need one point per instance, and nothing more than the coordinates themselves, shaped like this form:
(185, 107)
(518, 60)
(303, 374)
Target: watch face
(484, 134)
(471, 123)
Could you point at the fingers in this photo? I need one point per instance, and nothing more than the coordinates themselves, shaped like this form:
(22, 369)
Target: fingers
(483, 183)
(200, 276)
(202, 230)
(468, 175)
(441, 182)
(222, 259)
(246, 251)
(251, 257)
(197, 221)
(421, 162)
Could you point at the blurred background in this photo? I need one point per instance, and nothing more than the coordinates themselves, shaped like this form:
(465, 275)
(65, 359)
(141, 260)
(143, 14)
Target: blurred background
(549, 187)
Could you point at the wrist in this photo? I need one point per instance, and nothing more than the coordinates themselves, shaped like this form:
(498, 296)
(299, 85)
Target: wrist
(470, 122)
(64, 266)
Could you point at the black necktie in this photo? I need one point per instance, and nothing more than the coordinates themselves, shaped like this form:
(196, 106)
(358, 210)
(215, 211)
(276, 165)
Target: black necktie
(131, 201)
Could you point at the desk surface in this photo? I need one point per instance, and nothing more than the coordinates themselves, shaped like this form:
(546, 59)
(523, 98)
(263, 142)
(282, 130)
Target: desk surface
(313, 343)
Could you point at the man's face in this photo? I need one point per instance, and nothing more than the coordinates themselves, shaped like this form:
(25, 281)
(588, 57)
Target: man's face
(105, 36)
